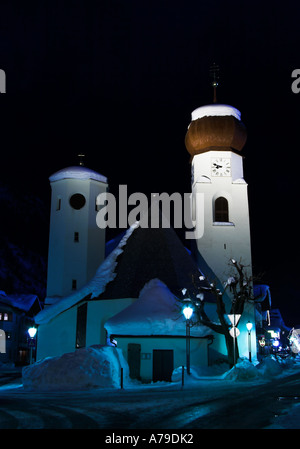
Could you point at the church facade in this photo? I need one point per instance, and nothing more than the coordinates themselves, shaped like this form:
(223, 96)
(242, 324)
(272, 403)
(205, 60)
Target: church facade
(130, 297)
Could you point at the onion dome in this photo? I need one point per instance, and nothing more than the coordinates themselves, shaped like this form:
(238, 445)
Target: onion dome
(215, 127)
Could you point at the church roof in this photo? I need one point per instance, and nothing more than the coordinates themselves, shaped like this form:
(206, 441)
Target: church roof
(142, 254)
(153, 253)
(77, 172)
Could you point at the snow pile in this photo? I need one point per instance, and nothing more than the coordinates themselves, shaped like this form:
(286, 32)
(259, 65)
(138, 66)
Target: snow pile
(97, 285)
(156, 312)
(269, 367)
(242, 371)
(92, 367)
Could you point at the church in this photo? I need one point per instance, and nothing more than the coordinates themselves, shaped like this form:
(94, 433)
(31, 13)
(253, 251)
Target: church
(126, 292)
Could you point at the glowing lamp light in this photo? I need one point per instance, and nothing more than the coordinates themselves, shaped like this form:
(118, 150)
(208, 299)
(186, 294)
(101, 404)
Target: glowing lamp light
(188, 312)
(32, 331)
(275, 343)
(249, 326)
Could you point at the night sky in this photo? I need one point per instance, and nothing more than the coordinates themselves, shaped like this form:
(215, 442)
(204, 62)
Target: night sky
(118, 80)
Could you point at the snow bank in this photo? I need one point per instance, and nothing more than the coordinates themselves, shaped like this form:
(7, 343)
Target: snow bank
(198, 372)
(243, 370)
(96, 286)
(92, 367)
(269, 367)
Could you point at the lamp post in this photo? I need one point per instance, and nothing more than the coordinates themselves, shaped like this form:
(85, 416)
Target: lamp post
(31, 341)
(188, 312)
(249, 327)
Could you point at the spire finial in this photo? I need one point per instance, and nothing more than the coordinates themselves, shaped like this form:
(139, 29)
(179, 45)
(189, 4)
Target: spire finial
(214, 75)
(81, 156)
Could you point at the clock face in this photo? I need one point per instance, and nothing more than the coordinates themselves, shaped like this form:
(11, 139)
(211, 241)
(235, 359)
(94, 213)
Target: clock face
(220, 167)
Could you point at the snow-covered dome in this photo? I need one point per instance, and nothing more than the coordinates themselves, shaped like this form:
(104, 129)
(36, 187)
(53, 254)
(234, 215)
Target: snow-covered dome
(77, 172)
(215, 127)
(213, 110)
(155, 312)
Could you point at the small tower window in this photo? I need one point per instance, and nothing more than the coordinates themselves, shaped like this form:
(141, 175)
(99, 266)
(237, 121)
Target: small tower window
(221, 210)
(97, 206)
(74, 284)
(58, 203)
(76, 236)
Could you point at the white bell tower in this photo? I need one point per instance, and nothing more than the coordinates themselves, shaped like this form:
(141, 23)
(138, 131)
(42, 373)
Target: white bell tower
(214, 140)
(76, 243)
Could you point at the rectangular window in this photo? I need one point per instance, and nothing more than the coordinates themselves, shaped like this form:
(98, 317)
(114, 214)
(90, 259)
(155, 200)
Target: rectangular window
(58, 203)
(76, 236)
(81, 326)
(6, 316)
(74, 284)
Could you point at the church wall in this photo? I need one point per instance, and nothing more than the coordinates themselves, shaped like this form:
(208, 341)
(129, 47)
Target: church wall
(99, 311)
(58, 336)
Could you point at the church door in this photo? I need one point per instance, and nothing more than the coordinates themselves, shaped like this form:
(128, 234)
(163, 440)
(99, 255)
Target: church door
(134, 360)
(163, 364)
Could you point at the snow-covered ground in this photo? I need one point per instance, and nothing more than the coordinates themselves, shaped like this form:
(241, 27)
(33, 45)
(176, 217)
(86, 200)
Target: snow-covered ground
(265, 396)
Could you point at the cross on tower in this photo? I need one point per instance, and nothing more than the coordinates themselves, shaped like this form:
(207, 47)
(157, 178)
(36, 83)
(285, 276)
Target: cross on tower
(214, 71)
(81, 156)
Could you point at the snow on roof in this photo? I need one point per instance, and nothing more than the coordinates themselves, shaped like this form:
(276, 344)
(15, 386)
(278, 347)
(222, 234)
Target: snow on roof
(77, 172)
(155, 253)
(155, 312)
(93, 288)
(216, 110)
(22, 302)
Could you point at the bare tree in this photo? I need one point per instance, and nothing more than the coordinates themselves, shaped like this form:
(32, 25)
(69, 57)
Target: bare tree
(240, 285)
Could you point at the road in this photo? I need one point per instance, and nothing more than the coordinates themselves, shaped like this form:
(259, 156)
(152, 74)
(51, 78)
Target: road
(212, 405)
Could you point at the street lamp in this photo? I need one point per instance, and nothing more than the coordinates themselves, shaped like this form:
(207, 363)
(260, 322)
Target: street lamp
(249, 327)
(188, 312)
(32, 332)
(31, 341)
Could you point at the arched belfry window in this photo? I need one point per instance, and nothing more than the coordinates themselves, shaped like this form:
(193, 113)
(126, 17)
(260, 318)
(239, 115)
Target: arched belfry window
(221, 209)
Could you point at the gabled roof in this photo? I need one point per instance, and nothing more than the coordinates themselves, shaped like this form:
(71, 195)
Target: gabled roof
(154, 253)
(142, 254)
(22, 302)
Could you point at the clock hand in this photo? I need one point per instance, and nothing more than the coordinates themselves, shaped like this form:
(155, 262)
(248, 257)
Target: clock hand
(217, 166)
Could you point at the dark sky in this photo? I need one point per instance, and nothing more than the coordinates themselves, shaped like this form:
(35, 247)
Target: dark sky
(118, 81)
